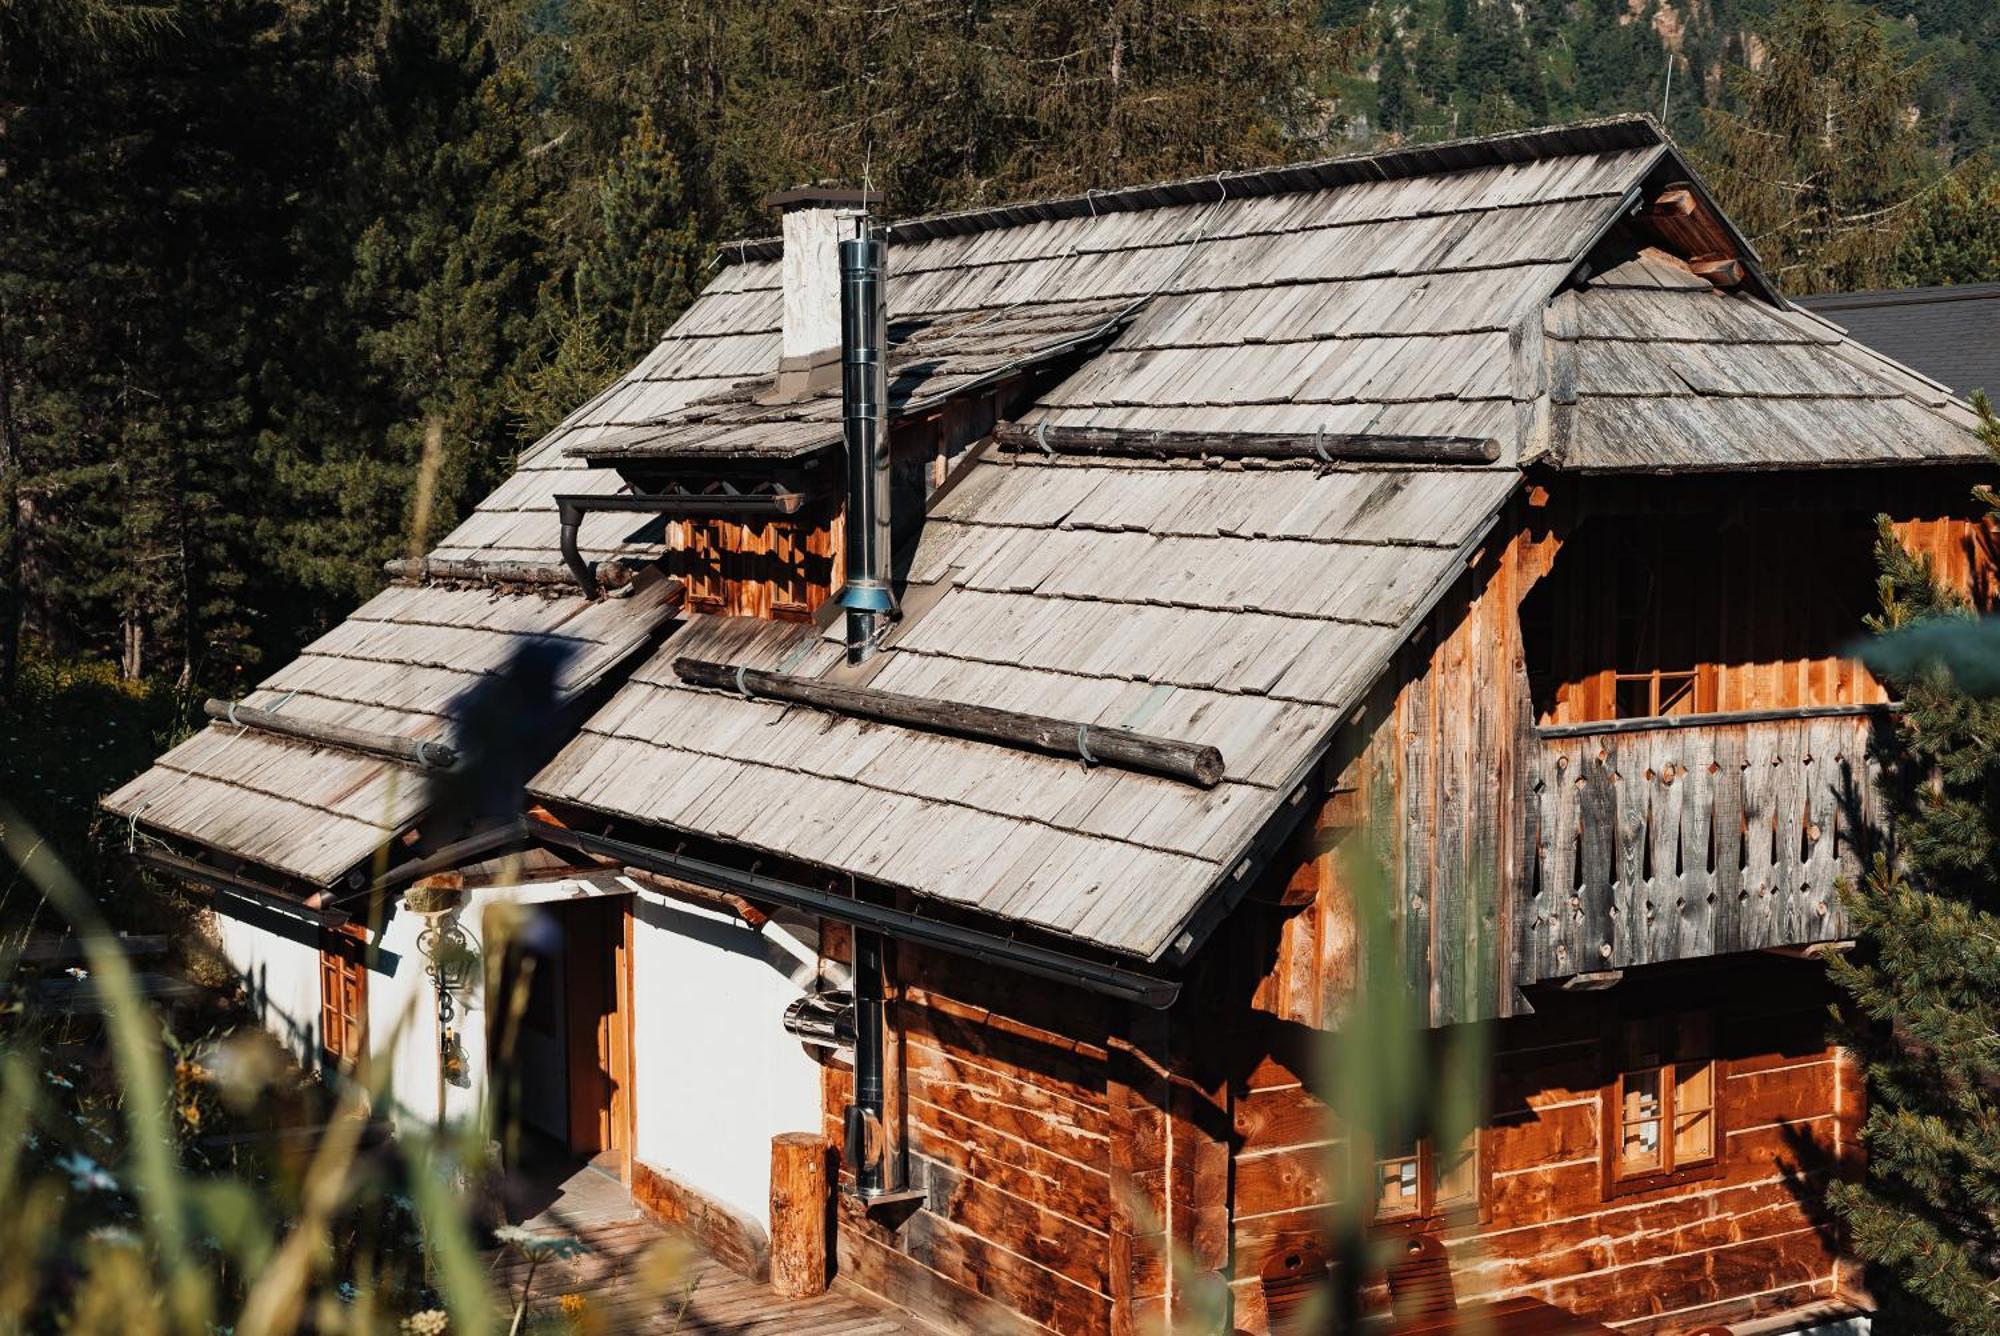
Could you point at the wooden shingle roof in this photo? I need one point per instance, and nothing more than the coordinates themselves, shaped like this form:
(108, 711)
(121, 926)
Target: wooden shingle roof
(1246, 607)
(1422, 293)
(395, 666)
(932, 357)
(1652, 368)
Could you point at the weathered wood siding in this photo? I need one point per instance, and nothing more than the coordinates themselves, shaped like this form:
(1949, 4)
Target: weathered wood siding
(1451, 758)
(1458, 786)
(1672, 843)
(1756, 586)
(779, 569)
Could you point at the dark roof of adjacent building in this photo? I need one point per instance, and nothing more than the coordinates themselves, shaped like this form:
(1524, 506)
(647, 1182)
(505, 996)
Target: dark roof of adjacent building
(1950, 334)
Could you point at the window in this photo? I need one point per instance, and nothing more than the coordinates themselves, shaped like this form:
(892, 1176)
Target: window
(343, 1000)
(791, 586)
(701, 564)
(1660, 1110)
(1419, 1183)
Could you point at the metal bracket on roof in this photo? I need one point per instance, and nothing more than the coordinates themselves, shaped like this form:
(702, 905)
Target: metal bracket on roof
(1083, 744)
(1042, 438)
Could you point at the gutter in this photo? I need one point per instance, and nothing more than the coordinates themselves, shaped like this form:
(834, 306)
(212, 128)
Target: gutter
(570, 510)
(1026, 957)
(224, 883)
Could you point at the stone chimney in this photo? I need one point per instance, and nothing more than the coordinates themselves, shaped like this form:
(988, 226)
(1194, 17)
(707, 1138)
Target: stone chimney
(816, 220)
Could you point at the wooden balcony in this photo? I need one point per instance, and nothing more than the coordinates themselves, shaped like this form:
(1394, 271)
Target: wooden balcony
(1664, 839)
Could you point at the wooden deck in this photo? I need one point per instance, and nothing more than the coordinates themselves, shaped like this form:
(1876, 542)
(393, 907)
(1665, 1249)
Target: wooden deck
(636, 1277)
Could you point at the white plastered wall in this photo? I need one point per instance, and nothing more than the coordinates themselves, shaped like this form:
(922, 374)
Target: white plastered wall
(277, 957)
(715, 1074)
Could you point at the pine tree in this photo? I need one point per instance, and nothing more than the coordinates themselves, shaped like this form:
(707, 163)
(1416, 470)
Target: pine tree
(439, 275)
(1393, 91)
(1818, 162)
(1925, 985)
(644, 266)
(1953, 233)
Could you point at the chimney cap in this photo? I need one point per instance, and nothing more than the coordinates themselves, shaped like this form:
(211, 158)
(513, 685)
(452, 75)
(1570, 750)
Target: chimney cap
(822, 197)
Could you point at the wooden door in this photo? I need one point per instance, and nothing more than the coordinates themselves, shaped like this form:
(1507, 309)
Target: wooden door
(598, 991)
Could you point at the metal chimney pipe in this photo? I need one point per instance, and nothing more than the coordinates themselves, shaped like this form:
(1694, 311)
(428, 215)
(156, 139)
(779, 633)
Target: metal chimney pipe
(864, 395)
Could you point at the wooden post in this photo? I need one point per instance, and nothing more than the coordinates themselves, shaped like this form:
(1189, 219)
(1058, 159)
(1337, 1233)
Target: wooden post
(798, 1213)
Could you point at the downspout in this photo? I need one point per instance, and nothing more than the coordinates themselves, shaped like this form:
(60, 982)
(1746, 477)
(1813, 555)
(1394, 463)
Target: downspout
(865, 1139)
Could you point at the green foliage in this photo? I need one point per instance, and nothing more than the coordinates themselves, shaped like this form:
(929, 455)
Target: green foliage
(1925, 986)
(1953, 232)
(1817, 157)
(644, 266)
(72, 732)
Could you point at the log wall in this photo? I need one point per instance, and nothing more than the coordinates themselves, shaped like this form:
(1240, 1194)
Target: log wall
(1005, 1096)
(1752, 1240)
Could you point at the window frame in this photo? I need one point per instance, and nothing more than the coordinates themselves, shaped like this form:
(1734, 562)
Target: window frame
(343, 1036)
(703, 558)
(1675, 1050)
(1430, 1210)
(789, 552)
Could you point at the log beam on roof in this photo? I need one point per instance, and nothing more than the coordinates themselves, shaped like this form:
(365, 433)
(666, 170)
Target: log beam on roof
(1325, 447)
(1681, 221)
(423, 753)
(610, 574)
(1189, 762)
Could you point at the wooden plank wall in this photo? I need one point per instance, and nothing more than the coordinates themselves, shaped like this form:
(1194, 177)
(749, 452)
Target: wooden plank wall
(1007, 1103)
(1964, 552)
(780, 569)
(785, 569)
(1757, 609)
(1750, 1241)
(1452, 761)
(1756, 598)
(1449, 783)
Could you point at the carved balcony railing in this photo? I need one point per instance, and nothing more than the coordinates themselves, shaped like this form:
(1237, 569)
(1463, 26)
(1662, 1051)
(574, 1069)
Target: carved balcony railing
(1651, 840)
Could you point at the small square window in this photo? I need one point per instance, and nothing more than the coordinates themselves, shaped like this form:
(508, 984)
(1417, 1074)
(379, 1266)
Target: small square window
(1422, 1182)
(1660, 1110)
(1399, 1187)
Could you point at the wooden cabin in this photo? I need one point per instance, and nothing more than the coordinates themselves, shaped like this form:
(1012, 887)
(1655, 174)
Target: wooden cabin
(1478, 512)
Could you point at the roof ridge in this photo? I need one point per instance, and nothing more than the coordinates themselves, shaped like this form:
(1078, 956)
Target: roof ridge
(1626, 130)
